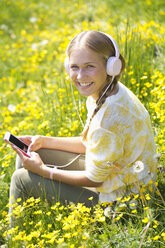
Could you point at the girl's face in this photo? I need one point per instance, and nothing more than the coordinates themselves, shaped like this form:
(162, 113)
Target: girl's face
(88, 72)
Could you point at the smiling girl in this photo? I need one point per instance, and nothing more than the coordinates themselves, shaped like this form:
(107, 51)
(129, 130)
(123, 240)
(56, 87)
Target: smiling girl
(117, 134)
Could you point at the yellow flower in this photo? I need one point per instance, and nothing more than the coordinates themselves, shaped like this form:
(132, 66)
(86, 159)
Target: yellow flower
(4, 213)
(134, 211)
(39, 223)
(49, 225)
(156, 237)
(163, 235)
(136, 196)
(145, 208)
(67, 235)
(38, 212)
(126, 199)
(147, 197)
(119, 199)
(60, 241)
(48, 213)
(145, 220)
(119, 216)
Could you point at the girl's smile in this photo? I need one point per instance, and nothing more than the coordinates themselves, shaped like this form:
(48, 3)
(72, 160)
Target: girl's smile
(88, 72)
(85, 85)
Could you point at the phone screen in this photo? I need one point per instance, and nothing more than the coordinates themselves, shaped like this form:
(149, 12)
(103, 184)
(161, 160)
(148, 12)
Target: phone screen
(18, 143)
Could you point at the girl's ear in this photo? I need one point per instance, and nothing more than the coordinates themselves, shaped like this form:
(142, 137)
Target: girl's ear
(66, 64)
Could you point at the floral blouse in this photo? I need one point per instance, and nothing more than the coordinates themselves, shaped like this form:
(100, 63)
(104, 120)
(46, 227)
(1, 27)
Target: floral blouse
(119, 136)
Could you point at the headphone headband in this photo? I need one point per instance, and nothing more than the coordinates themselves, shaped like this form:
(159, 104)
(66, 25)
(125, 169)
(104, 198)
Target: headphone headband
(117, 52)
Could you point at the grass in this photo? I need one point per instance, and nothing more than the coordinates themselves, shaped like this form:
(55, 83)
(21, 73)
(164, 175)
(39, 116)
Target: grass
(35, 98)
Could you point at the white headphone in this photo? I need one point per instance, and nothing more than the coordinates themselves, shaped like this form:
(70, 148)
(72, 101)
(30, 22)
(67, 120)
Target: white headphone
(114, 64)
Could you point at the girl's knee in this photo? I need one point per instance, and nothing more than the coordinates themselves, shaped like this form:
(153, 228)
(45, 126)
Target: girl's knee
(18, 176)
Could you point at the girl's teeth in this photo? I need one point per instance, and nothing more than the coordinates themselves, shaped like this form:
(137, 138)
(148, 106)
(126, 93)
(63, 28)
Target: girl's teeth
(84, 84)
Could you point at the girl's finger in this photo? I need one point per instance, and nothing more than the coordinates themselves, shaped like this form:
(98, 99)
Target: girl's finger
(17, 150)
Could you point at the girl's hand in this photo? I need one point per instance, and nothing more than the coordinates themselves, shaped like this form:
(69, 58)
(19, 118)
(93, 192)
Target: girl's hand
(34, 142)
(33, 164)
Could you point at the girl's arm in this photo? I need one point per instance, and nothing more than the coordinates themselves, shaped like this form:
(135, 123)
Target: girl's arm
(76, 178)
(70, 144)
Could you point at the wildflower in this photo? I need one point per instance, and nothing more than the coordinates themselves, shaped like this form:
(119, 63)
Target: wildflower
(155, 224)
(107, 211)
(133, 203)
(49, 225)
(67, 235)
(11, 108)
(34, 46)
(126, 199)
(60, 241)
(39, 224)
(37, 200)
(4, 213)
(147, 197)
(33, 19)
(101, 219)
(156, 184)
(163, 235)
(44, 42)
(119, 199)
(145, 220)
(53, 207)
(30, 199)
(146, 208)
(121, 206)
(38, 212)
(156, 237)
(4, 27)
(119, 216)
(48, 213)
(138, 166)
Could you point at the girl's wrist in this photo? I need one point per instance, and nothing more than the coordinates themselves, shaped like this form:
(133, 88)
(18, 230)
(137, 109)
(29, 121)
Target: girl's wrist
(47, 172)
(44, 171)
(41, 140)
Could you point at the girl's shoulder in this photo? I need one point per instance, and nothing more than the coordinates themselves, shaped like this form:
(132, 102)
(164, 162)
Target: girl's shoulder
(125, 99)
(122, 107)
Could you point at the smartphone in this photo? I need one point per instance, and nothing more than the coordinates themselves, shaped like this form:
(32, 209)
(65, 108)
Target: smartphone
(17, 142)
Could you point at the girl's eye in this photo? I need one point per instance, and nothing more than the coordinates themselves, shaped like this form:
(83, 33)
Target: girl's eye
(90, 66)
(74, 67)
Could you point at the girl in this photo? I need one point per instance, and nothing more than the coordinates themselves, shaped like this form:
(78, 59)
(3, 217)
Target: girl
(116, 136)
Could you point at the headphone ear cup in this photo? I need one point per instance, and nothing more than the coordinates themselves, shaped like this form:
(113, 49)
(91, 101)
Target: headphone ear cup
(113, 67)
(66, 64)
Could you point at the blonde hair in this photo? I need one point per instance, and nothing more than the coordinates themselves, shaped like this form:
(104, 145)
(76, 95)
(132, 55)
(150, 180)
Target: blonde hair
(101, 44)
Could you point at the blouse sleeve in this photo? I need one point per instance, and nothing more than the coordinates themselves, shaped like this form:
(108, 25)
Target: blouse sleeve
(103, 149)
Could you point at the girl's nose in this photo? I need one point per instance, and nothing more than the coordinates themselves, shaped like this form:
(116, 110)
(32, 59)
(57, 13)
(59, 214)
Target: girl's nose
(81, 75)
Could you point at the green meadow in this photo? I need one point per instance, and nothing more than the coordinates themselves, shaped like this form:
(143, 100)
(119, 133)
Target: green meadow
(35, 98)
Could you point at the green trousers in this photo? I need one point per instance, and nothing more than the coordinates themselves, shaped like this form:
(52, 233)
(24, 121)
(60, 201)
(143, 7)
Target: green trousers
(25, 184)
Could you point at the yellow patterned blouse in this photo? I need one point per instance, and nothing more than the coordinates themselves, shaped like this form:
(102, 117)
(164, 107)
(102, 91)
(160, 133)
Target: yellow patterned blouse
(120, 134)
